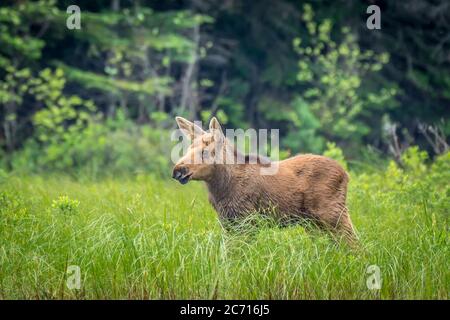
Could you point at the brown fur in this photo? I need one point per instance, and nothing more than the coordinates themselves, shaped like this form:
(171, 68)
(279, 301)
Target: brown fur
(306, 186)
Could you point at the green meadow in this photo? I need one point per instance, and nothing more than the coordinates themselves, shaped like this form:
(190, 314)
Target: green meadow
(143, 237)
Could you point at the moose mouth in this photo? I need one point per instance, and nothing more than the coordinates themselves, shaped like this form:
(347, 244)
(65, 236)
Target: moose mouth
(185, 179)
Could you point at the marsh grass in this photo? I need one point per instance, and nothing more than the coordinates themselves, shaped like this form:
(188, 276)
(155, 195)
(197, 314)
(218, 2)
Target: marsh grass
(144, 238)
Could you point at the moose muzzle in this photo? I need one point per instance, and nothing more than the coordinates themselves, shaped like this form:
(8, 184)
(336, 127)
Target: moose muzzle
(181, 174)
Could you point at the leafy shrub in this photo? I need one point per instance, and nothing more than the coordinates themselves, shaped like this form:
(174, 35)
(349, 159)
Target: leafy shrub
(413, 159)
(336, 153)
(415, 186)
(65, 205)
(332, 73)
(304, 128)
(71, 137)
(116, 146)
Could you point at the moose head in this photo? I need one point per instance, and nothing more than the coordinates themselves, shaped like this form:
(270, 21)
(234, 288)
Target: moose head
(207, 150)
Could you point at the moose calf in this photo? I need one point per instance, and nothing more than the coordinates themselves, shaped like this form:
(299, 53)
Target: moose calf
(304, 187)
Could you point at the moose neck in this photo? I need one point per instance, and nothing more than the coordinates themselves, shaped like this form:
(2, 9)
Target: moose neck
(225, 176)
(222, 181)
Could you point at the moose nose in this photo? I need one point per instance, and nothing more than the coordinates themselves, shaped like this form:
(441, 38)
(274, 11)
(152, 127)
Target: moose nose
(178, 172)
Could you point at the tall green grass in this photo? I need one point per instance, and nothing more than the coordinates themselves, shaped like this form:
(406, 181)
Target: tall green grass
(143, 238)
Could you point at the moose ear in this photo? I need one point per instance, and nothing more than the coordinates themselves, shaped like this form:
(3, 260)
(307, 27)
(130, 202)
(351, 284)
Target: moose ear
(214, 127)
(189, 129)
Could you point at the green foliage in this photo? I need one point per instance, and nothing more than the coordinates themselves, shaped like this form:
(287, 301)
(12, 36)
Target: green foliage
(62, 116)
(100, 149)
(440, 170)
(304, 129)
(335, 153)
(318, 78)
(65, 205)
(140, 45)
(69, 136)
(91, 80)
(122, 59)
(413, 159)
(332, 74)
(15, 30)
(13, 89)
